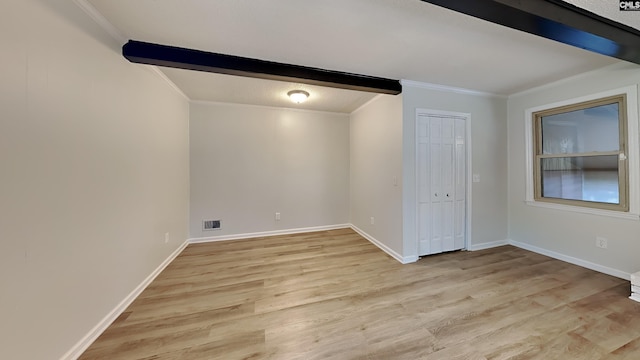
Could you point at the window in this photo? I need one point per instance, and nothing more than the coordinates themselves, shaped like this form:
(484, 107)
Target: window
(580, 154)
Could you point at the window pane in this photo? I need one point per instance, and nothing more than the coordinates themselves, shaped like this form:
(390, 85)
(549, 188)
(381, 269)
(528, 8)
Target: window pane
(587, 178)
(587, 130)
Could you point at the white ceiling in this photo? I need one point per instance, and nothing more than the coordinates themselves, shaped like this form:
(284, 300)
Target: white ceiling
(398, 39)
(609, 9)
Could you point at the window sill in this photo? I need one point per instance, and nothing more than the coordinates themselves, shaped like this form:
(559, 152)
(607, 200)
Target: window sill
(585, 210)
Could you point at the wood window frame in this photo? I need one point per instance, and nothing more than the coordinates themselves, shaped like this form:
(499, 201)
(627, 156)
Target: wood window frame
(621, 153)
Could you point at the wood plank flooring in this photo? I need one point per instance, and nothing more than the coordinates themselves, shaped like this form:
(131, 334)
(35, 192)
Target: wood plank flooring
(333, 295)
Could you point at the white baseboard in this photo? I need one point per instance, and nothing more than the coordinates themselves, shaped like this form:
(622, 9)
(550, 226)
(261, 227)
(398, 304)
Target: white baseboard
(488, 245)
(572, 260)
(385, 248)
(267, 233)
(555, 255)
(97, 330)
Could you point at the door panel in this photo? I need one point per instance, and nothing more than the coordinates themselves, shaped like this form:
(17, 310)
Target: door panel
(435, 172)
(423, 173)
(459, 225)
(436, 228)
(424, 216)
(423, 181)
(446, 169)
(447, 226)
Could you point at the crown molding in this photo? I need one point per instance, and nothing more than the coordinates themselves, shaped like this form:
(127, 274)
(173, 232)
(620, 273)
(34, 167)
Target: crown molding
(618, 65)
(451, 89)
(283, 108)
(367, 103)
(108, 27)
(96, 16)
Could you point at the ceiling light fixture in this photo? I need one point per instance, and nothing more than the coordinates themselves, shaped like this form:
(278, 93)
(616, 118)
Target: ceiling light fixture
(298, 96)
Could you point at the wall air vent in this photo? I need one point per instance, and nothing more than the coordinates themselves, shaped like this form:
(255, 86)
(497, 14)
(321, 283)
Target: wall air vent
(211, 225)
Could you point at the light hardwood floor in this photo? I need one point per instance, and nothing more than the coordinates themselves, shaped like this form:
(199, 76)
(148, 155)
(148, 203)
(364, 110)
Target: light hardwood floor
(333, 295)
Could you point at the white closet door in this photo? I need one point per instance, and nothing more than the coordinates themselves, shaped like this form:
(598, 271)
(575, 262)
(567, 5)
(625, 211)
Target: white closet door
(441, 183)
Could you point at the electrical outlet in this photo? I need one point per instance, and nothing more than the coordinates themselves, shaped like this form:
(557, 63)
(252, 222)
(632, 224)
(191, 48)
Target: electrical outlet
(373, 220)
(277, 216)
(602, 242)
(166, 238)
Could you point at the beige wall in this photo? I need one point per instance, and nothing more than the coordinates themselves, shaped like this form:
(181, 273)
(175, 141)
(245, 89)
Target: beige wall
(249, 162)
(489, 160)
(376, 158)
(565, 233)
(93, 173)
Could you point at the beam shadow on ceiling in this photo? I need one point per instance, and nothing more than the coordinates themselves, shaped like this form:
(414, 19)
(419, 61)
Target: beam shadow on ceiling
(181, 58)
(556, 20)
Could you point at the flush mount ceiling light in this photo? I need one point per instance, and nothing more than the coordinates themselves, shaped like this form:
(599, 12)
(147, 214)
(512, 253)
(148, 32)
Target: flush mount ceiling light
(298, 96)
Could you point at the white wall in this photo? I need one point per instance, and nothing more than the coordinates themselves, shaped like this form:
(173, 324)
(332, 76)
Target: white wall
(249, 162)
(93, 172)
(489, 160)
(561, 232)
(376, 158)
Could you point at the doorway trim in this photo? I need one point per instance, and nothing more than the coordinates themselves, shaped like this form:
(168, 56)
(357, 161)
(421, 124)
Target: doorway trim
(468, 169)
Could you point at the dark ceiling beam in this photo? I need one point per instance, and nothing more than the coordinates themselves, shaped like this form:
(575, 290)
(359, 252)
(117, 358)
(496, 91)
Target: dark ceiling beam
(181, 58)
(556, 20)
